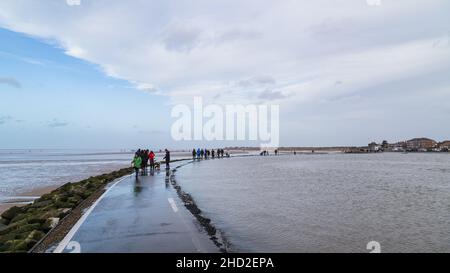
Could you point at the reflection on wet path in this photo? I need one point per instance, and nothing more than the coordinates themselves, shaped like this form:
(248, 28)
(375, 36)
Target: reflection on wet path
(137, 216)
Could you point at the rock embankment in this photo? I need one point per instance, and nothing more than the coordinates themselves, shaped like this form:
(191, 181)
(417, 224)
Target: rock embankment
(22, 227)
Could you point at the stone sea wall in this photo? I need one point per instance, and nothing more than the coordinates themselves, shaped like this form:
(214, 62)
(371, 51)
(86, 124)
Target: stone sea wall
(23, 227)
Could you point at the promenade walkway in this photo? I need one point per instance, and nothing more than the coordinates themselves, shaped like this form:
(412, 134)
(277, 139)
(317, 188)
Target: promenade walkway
(138, 216)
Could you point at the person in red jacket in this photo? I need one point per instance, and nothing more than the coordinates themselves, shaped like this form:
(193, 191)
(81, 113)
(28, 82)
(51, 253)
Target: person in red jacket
(151, 157)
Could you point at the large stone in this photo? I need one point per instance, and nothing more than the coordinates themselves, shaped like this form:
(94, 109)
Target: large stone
(45, 197)
(16, 246)
(59, 204)
(20, 227)
(18, 218)
(63, 212)
(40, 204)
(37, 219)
(75, 199)
(54, 221)
(49, 224)
(36, 235)
(11, 213)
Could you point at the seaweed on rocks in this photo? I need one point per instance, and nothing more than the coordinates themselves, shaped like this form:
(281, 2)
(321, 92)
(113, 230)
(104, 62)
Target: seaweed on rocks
(23, 227)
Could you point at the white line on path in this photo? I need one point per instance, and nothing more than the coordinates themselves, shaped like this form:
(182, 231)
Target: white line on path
(172, 204)
(194, 238)
(62, 245)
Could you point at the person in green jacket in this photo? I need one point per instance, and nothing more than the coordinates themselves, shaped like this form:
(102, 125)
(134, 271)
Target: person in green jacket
(137, 162)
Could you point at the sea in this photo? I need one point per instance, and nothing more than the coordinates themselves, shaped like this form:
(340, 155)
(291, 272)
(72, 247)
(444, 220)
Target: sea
(388, 202)
(23, 172)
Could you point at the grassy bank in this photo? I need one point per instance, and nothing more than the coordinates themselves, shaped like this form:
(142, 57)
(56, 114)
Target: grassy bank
(22, 227)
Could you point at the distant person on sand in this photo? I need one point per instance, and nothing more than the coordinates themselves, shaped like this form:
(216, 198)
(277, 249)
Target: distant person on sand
(151, 157)
(198, 153)
(202, 153)
(136, 163)
(167, 158)
(194, 154)
(212, 153)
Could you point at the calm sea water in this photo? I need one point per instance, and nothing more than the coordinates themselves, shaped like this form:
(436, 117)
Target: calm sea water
(23, 171)
(328, 202)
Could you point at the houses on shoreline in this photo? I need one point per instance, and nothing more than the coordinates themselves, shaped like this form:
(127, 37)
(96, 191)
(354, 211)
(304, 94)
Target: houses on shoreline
(422, 144)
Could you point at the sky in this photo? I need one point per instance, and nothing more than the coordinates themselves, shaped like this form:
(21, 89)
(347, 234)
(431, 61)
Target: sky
(106, 73)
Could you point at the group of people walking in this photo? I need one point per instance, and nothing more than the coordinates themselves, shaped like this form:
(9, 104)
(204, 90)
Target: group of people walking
(205, 153)
(145, 158)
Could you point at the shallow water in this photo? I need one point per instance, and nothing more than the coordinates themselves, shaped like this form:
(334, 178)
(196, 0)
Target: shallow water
(326, 203)
(24, 171)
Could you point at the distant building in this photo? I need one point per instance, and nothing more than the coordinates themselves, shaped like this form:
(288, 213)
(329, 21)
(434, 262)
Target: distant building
(444, 145)
(397, 147)
(374, 147)
(423, 143)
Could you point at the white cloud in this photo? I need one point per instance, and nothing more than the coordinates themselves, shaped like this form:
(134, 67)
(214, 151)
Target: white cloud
(246, 51)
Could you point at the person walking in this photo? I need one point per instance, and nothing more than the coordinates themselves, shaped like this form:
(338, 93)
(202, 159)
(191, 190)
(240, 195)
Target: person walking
(151, 157)
(194, 154)
(198, 153)
(167, 158)
(144, 163)
(137, 161)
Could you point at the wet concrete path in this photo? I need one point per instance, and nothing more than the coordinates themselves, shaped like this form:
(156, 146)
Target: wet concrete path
(143, 215)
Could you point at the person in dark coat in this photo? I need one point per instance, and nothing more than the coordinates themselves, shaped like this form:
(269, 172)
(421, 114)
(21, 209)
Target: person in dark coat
(167, 158)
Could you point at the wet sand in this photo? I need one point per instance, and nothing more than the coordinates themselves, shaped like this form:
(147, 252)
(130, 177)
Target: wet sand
(26, 198)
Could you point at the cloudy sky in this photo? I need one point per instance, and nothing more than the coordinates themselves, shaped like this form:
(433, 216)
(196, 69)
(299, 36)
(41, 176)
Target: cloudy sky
(106, 73)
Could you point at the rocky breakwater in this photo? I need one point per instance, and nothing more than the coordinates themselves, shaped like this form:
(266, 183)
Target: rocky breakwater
(21, 228)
